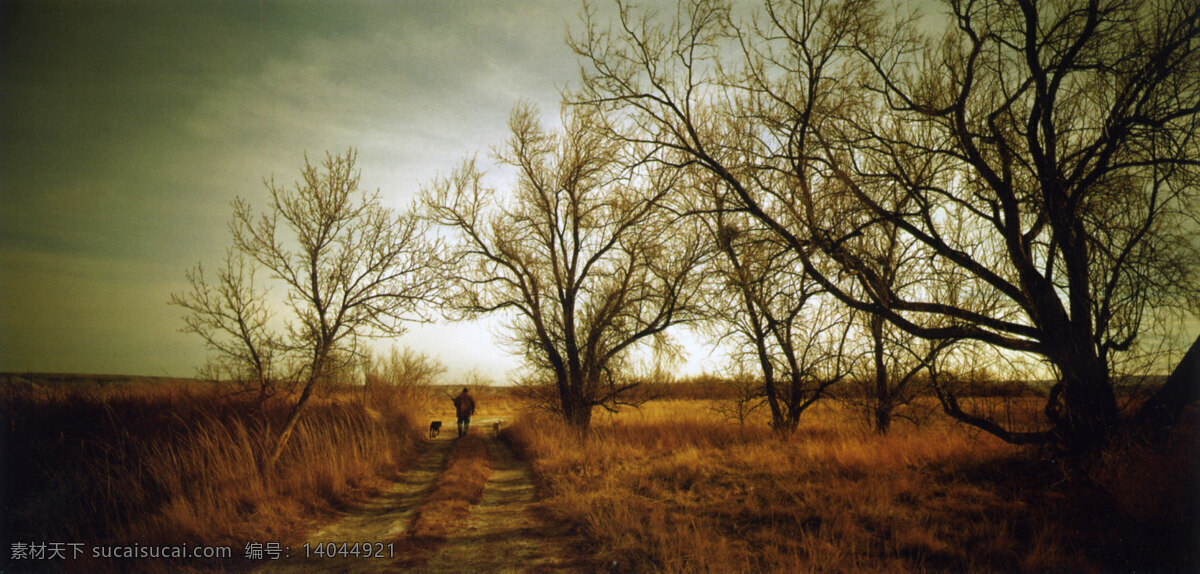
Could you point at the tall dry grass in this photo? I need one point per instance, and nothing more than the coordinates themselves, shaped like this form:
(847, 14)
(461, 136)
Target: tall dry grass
(671, 488)
(178, 464)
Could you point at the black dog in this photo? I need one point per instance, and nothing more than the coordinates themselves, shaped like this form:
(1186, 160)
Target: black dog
(435, 428)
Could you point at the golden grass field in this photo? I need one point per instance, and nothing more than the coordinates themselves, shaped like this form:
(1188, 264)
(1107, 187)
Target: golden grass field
(669, 487)
(672, 488)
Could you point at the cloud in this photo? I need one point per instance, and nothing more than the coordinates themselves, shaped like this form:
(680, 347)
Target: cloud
(129, 127)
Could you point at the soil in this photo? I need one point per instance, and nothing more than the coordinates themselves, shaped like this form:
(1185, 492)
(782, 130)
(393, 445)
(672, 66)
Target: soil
(502, 534)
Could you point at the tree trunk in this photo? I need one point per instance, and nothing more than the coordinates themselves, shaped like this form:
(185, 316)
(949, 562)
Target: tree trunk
(795, 399)
(1159, 414)
(1087, 415)
(883, 395)
(317, 371)
(290, 424)
(778, 421)
(578, 414)
(576, 410)
(883, 418)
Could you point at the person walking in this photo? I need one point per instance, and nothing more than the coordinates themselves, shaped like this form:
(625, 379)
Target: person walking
(464, 405)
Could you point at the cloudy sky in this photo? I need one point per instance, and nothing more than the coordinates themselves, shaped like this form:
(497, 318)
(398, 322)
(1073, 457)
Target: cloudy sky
(126, 128)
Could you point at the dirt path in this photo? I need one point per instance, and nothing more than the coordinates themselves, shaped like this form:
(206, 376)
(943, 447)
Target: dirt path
(502, 533)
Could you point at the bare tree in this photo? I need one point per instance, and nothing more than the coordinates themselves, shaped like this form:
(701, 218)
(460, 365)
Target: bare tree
(1068, 136)
(898, 374)
(796, 334)
(582, 256)
(1042, 156)
(899, 362)
(351, 268)
(230, 313)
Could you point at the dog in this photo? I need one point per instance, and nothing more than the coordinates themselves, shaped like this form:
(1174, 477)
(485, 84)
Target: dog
(435, 428)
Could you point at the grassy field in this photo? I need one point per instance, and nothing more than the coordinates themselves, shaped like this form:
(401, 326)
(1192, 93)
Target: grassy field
(671, 488)
(175, 462)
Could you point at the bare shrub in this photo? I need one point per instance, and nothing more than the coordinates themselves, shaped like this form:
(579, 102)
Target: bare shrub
(405, 372)
(741, 396)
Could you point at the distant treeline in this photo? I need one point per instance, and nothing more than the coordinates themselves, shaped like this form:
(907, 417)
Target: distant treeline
(717, 387)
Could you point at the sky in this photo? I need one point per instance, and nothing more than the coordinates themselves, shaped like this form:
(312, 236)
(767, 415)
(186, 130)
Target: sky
(127, 128)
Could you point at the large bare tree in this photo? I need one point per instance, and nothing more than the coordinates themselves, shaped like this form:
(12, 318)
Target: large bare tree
(350, 268)
(1066, 134)
(581, 253)
(1041, 156)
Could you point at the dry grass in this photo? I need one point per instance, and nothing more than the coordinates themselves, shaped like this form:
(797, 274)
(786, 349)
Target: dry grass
(670, 488)
(178, 464)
